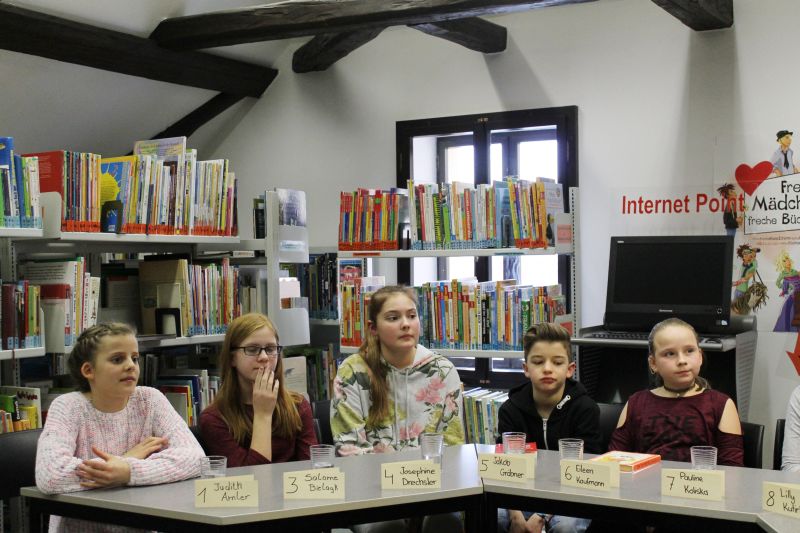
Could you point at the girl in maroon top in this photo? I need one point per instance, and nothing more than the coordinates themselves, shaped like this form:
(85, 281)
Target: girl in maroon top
(683, 411)
(254, 419)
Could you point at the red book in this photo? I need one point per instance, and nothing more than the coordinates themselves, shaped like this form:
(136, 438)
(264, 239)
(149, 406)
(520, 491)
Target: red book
(629, 461)
(53, 178)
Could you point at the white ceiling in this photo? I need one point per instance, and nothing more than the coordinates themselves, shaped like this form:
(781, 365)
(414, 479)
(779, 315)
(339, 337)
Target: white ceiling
(65, 106)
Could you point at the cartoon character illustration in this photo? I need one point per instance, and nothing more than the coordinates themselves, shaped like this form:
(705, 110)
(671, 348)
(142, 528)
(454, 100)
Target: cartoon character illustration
(731, 216)
(782, 160)
(789, 282)
(548, 233)
(749, 294)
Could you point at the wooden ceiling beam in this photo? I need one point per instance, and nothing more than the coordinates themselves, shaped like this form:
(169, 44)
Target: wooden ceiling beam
(31, 32)
(474, 33)
(316, 17)
(203, 114)
(700, 15)
(324, 50)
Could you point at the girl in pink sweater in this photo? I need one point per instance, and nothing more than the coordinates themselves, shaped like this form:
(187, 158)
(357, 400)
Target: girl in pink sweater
(111, 433)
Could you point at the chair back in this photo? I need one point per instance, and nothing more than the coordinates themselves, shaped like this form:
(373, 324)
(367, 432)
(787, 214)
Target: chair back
(199, 436)
(777, 447)
(18, 461)
(609, 416)
(322, 412)
(753, 437)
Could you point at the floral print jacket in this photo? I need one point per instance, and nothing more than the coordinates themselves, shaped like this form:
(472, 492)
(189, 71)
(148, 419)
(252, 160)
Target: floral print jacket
(425, 397)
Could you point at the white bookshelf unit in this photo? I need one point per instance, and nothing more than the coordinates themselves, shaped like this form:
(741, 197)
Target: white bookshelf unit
(562, 247)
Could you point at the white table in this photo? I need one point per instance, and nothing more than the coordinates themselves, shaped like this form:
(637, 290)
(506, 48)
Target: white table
(639, 499)
(171, 507)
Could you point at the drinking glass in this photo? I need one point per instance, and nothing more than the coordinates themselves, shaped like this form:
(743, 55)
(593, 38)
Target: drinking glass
(431, 445)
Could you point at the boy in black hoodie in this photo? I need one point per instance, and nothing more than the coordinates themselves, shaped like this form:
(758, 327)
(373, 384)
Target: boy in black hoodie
(548, 407)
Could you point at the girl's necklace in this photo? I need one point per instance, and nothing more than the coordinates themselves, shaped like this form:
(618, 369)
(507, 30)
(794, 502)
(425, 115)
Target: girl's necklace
(680, 392)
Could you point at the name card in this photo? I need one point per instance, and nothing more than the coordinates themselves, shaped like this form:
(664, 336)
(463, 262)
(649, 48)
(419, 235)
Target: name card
(507, 466)
(315, 484)
(781, 498)
(689, 483)
(589, 474)
(411, 475)
(232, 491)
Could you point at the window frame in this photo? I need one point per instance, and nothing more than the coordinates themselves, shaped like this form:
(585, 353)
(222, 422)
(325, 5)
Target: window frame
(481, 126)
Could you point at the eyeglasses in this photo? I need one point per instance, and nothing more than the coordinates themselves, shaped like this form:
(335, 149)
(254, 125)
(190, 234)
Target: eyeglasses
(273, 350)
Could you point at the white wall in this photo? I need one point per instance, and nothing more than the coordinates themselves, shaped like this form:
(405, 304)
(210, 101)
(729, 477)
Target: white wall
(658, 104)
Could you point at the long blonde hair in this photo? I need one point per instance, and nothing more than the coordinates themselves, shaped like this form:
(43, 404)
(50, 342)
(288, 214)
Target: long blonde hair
(370, 351)
(286, 418)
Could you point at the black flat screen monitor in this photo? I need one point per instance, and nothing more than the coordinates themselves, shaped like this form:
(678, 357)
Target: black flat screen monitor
(653, 278)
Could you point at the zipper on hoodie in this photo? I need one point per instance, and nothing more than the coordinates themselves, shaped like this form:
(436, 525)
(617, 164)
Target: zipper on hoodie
(544, 428)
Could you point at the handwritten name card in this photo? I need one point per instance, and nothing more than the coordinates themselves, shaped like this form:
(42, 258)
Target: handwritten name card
(315, 484)
(232, 491)
(507, 466)
(589, 474)
(411, 475)
(781, 498)
(689, 483)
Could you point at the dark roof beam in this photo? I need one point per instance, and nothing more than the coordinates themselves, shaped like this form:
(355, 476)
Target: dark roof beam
(31, 32)
(474, 33)
(318, 17)
(700, 15)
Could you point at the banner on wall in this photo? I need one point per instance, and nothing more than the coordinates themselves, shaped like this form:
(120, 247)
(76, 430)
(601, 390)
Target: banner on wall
(761, 209)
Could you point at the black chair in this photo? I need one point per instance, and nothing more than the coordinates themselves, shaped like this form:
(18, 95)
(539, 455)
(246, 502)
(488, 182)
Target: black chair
(317, 431)
(18, 461)
(753, 442)
(777, 447)
(322, 412)
(199, 436)
(609, 417)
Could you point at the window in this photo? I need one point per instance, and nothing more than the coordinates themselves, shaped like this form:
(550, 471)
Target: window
(481, 149)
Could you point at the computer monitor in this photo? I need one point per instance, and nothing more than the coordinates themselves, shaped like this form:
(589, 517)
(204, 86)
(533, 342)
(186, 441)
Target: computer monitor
(653, 278)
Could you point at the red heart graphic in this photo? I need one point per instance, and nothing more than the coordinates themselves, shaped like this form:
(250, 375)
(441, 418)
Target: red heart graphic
(750, 178)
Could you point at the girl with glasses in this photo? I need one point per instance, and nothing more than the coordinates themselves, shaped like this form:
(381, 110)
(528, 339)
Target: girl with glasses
(254, 418)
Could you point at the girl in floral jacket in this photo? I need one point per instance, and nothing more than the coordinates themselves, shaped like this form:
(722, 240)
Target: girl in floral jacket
(393, 389)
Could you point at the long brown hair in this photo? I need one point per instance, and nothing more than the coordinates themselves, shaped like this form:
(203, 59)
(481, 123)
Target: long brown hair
(286, 418)
(651, 344)
(370, 351)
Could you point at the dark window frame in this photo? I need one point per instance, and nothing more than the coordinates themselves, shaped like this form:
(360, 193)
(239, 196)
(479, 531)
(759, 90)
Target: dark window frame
(481, 126)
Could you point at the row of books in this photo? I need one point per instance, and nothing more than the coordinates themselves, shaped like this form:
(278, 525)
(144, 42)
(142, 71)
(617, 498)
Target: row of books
(188, 390)
(70, 298)
(187, 299)
(508, 213)
(481, 408)
(455, 215)
(19, 314)
(493, 315)
(318, 283)
(355, 295)
(19, 188)
(161, 189)
(460, 314)
(372, 219)
(20, 409)
(311, 370)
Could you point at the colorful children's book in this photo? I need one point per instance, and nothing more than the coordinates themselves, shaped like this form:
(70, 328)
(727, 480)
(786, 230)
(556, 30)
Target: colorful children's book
(629, 461)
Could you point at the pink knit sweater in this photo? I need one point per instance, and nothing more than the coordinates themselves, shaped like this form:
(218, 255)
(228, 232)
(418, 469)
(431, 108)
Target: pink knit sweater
(73, 426)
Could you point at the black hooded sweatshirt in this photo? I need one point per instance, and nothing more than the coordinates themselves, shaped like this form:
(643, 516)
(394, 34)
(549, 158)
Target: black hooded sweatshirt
(575, 416)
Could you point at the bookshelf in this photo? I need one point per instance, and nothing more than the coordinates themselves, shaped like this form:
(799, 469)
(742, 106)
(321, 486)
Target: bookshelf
(49, 242)
(8, 235)
(281, 244)
(565, 244)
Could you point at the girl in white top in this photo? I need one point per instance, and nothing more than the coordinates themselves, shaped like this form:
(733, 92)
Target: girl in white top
(111, 432)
